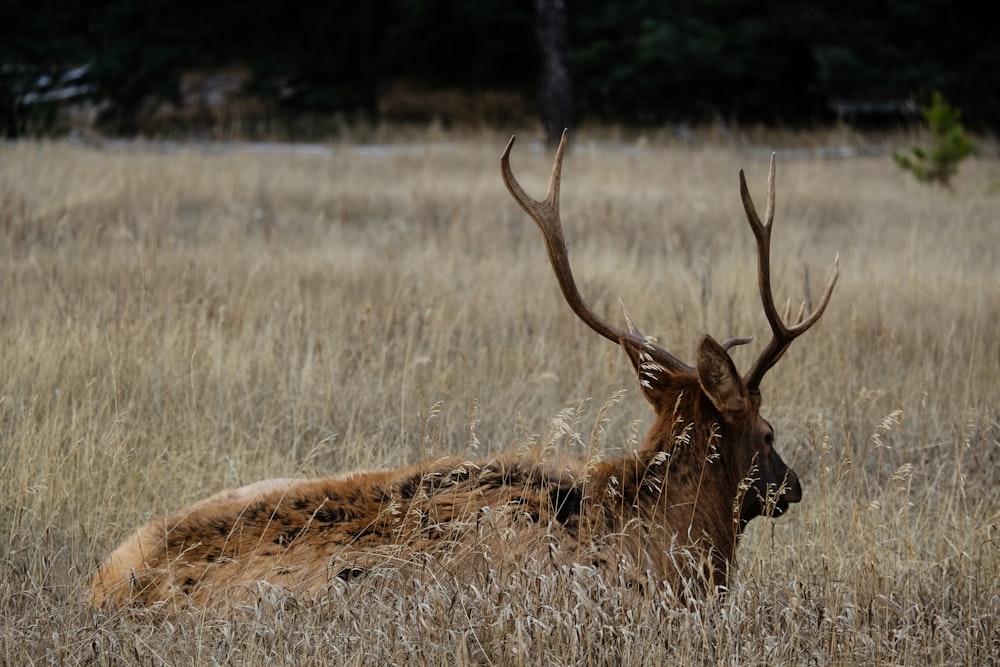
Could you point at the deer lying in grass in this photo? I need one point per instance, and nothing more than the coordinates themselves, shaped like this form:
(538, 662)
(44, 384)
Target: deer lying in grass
(671, 513)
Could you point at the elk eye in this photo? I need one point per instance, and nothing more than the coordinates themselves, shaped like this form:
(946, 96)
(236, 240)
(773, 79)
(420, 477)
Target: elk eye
(769, 439)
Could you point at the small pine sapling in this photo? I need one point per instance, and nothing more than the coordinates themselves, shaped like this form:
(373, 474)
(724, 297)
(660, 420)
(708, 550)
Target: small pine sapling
(939, 162)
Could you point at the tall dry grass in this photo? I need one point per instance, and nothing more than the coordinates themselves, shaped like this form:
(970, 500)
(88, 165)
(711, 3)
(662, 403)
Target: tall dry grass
(175, 322)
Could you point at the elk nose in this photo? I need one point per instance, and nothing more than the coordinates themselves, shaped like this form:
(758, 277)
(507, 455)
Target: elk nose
(793, 490)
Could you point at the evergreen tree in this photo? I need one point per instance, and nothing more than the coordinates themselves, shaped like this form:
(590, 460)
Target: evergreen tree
(939, 163)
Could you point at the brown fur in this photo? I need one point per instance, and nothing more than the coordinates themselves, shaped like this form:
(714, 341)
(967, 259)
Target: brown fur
(672, 511)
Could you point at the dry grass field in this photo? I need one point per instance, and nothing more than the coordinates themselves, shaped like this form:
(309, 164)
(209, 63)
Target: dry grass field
(179, 321)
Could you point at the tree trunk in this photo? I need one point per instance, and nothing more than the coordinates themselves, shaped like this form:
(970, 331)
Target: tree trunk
(556, 94)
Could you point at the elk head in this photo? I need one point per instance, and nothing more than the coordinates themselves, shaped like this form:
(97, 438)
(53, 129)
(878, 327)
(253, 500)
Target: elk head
(721, 407)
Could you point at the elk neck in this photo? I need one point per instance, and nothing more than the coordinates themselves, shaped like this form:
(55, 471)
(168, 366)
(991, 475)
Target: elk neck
(681, 484)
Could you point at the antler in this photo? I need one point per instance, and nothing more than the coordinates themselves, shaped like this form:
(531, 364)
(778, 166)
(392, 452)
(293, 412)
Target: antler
(546, 214)
(783, 334)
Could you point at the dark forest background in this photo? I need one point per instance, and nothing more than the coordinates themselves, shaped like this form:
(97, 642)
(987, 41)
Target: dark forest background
(630, 62)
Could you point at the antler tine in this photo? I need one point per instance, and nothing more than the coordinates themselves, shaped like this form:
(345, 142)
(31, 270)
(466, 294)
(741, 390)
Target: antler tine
(730, 343)
(783, 334)
(545, 213)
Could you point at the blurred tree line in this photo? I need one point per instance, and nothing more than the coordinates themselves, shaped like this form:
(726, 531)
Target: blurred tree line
(797, 62)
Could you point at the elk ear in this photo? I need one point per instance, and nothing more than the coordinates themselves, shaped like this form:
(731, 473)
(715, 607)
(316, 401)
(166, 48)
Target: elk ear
(719, 379)
(632, 352)
(654, 379)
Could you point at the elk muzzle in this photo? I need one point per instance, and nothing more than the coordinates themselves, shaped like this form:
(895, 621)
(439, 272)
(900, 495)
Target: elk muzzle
(774, 487)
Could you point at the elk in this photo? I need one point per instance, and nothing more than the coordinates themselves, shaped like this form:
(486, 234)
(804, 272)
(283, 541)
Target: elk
(666, 515)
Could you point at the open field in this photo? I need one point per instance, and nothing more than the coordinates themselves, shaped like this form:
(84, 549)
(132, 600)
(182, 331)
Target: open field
(176, 323)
